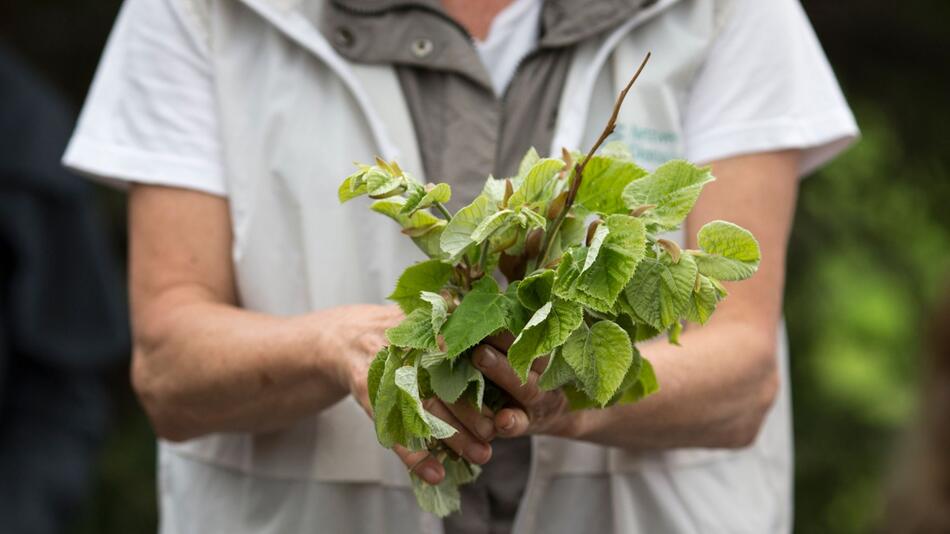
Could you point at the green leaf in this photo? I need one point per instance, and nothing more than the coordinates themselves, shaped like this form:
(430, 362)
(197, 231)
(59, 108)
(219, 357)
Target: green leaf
(386, 413)
(375, 374)
(537, 183)
(493, 223)
(600, 357)
(450, 379)
(381, 184)
(646, 384)
(630, 379)
(439, 309)
(518, 314)
(548, 328)
(353, 186)
(557, 373)
(618, 248)
(730, 252)
(494, 189)
(566, 280)
(604, 181)
(702, 301)
(417, 422)
(659, 292)
(535, 290)
(530, 158)
(577, 399)
(673, 188)
(444, 498)
(482, 312)
(428, 275)
(457, 235)
(415, 331)
(420, 198)
(429, 226)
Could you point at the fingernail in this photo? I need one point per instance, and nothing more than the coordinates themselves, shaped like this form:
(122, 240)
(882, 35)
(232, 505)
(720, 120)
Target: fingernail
(485, 357)
(430, 474)
(485, 427)
(477, 452)
(509, 423)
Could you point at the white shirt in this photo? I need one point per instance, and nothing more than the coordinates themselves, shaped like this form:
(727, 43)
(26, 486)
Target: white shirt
(150, 114)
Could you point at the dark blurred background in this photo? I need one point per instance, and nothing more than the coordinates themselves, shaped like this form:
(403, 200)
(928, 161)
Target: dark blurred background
(868, 261)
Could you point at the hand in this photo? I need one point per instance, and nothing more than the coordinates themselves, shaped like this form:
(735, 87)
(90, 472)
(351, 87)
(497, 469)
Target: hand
(359, 333)
(534, 411)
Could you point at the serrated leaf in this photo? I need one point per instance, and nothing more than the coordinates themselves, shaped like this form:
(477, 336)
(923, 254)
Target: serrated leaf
(566, 278)
(386, 413)
(618, 250)
(415, 331)
(375, 374)
(428, 275)
(600, 357)
(673, 188)
(416, 420)
(548, 328)
(630, 379)
(535, 290)
(536, 185)
(494, 189)
(380, 183)
(439, 309)
(604, 181)
(483, 311)
(419, 198)
(450, 379)
(730, 252)
(518, 314)
(444, 498)
(617, 150)
(531, 219)
(660, 290)
(457, 235)
(492, 224)
(702, 301)
(577, 399)
(557, 373)
(428, 242)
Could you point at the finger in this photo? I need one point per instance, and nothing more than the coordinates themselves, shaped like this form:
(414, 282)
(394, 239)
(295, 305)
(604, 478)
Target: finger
(501, 341)
(512, 422)
(422, 464)
(479, 422)
(539, 365)
(462, 442)
(496, 367)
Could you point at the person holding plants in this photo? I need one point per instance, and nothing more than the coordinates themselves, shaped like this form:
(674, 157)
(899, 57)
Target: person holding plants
(258, 299)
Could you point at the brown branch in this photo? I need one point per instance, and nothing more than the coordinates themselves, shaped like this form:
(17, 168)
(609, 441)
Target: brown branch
(579, 166)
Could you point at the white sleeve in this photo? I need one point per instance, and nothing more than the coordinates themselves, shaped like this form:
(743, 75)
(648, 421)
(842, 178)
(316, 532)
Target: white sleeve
(150, 115)
(767, 85)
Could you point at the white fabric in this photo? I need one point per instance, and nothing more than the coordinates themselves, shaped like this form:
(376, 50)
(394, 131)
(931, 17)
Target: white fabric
(289, 134)
(512, 36)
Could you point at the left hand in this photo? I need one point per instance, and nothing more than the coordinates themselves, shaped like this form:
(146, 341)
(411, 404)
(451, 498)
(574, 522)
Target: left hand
(532, 411)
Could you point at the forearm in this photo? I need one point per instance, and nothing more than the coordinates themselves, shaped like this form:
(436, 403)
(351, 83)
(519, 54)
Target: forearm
(715, 390)
(202, 366)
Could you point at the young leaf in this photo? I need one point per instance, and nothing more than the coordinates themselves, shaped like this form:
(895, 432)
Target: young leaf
(660, 290)
(730, 252)
(422, 198)
(483, 311)
(604, 181)
(702, 301)
(450, 379)
(646, 384)
(375, 374)
(535, 290)
(386, 413)
(439, 309)
(518, 314)
(425, 227)
(416, 420)
(557, 373)
(548, 328)
(673, 188)
(353, 186)
(428, 275)
(493, 223)
(457, 235)
(530, 158)
(536, 182)
(444, 498)
(600, 357)
(618, 249)
(382, 184)
(415, 331)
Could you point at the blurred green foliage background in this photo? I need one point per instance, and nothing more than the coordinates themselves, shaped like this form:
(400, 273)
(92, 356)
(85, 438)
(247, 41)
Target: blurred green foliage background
(868, 256)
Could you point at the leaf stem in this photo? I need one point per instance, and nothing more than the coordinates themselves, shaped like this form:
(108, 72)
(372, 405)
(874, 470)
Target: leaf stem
(579, 166)
(441, 207)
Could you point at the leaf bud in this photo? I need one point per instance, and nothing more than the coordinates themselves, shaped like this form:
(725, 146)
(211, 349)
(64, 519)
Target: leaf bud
(557, 206)
(532, 243)
(671, 248)
(591, 230)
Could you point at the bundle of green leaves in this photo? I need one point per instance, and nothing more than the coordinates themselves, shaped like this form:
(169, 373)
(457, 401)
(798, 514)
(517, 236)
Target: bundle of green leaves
(578, 241)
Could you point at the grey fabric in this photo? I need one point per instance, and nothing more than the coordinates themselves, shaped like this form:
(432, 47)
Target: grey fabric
(464, 132)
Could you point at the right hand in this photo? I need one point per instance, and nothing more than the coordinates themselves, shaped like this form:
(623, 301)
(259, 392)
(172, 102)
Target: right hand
(359, 332)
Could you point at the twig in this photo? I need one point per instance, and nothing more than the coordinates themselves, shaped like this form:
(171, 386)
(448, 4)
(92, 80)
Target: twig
(579, 166)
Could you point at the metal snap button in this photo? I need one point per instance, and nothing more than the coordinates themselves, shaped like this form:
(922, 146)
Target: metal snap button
(344, 36)
(422, 47)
